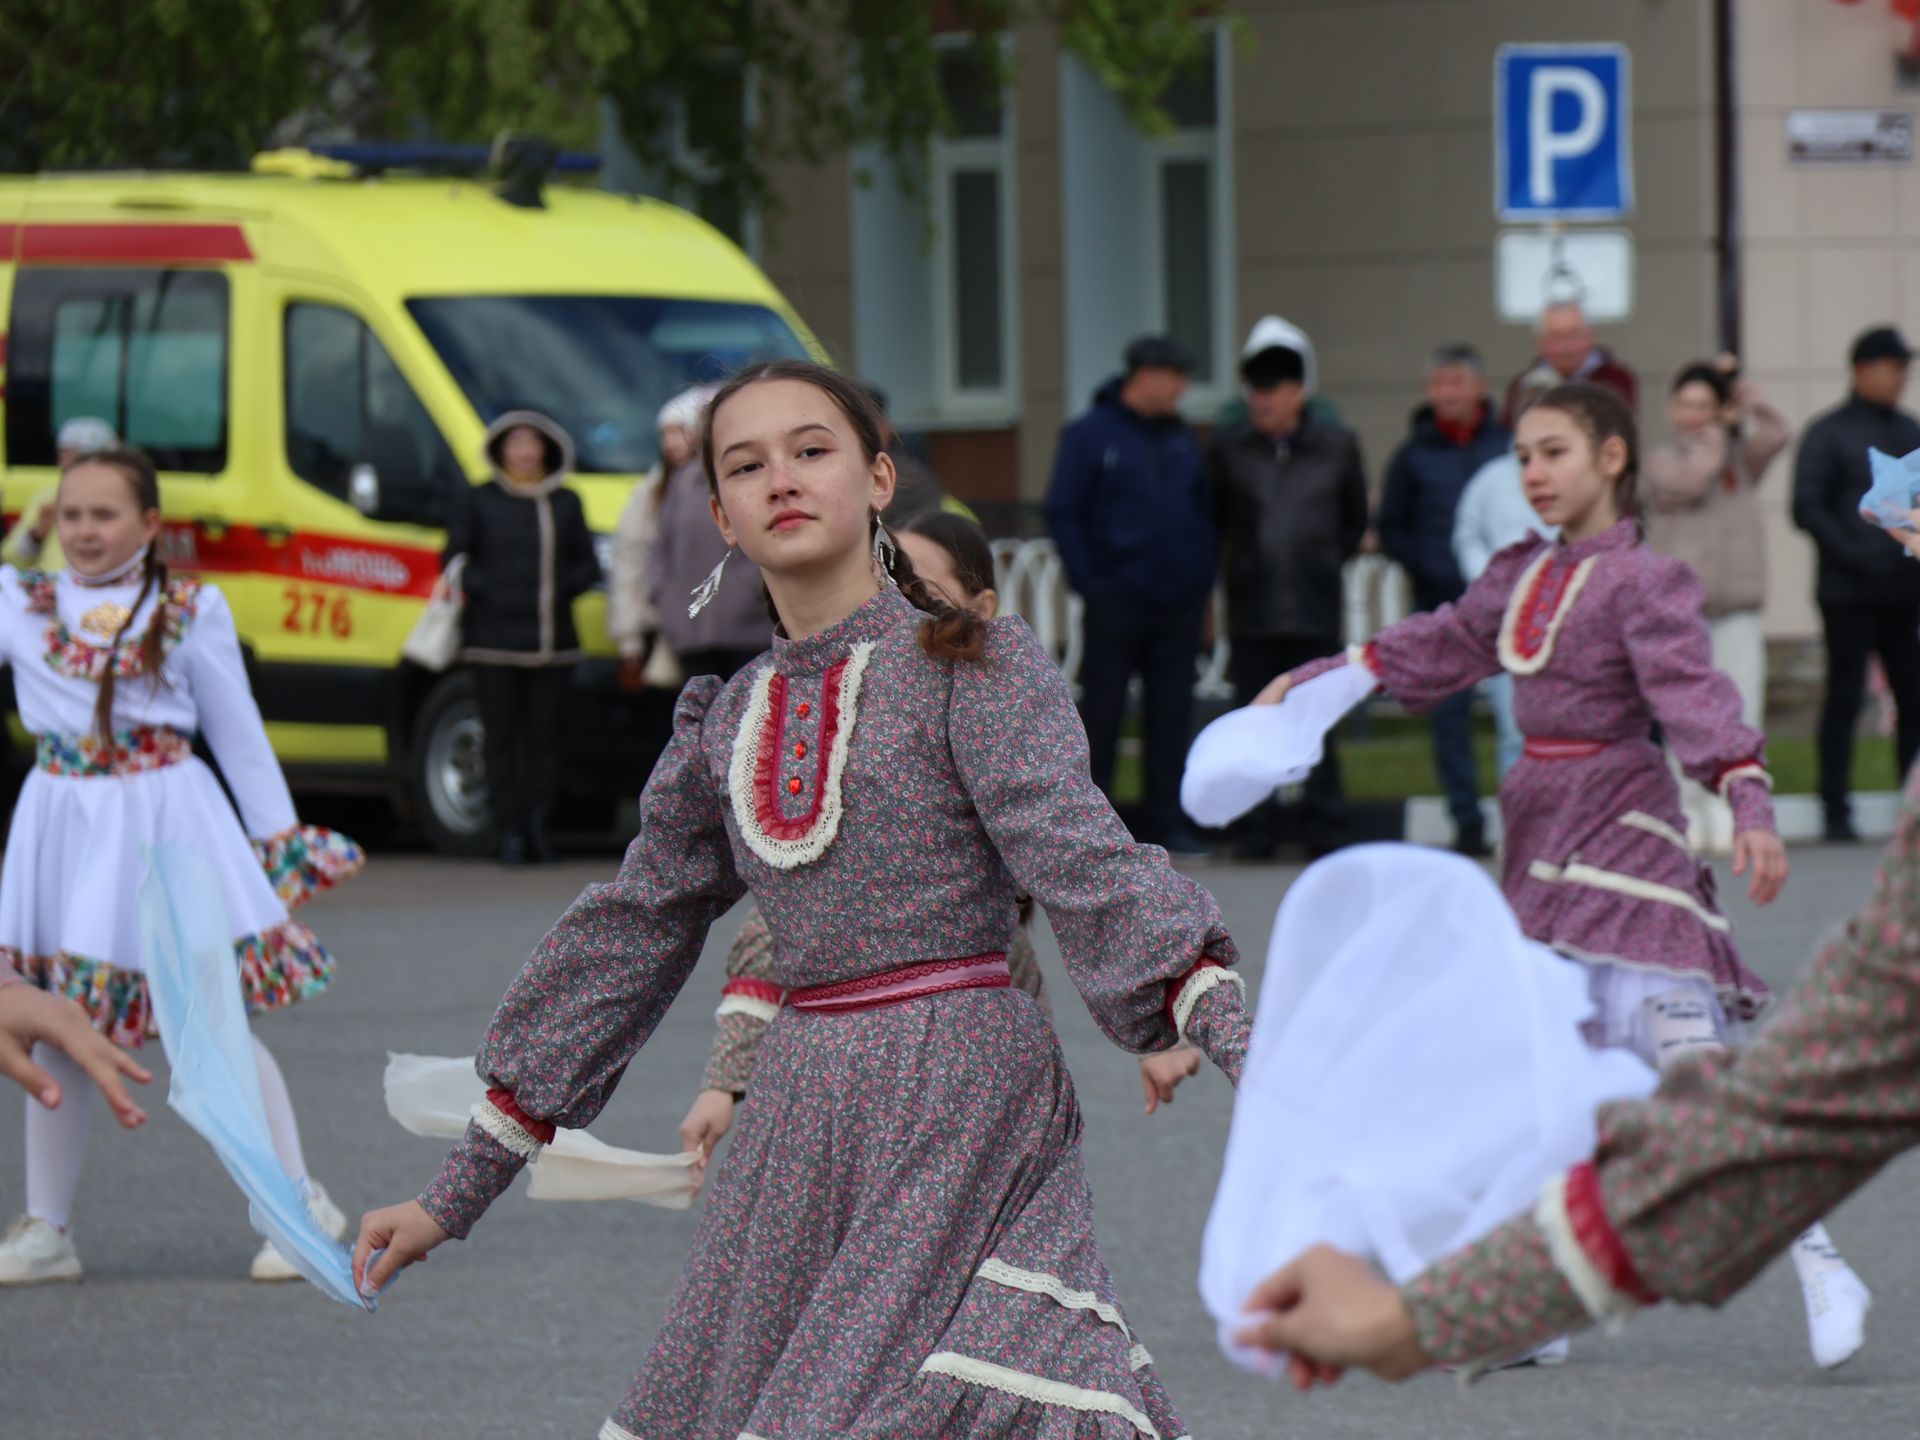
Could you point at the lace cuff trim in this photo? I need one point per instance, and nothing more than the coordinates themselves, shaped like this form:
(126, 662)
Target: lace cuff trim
(1036, 1282)
(761, 1010)
(1041, 1391)
(1138, 1358)
(510, 1133)
(1607, 1300)
(1752, 770)
(1197, 985)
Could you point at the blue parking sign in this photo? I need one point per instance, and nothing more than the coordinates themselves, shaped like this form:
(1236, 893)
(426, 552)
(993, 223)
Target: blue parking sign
(1562, 132)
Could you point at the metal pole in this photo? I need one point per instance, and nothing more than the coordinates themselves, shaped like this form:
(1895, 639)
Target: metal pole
(1726, 116)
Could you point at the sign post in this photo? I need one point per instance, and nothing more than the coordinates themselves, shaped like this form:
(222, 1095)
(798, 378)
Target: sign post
(1563, 151)
(1562, 117)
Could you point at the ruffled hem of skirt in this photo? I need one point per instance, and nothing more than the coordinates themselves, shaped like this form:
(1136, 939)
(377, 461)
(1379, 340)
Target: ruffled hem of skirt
(278, 967)
(960, 1395)
(307, 859)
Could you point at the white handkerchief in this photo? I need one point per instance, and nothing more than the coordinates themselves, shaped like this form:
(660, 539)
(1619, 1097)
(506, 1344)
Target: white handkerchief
(1417, 1073)
(1243, 757)
(433, 1095)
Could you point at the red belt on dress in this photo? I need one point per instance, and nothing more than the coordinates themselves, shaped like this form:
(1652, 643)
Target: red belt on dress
(1540, 747)
(909, 982)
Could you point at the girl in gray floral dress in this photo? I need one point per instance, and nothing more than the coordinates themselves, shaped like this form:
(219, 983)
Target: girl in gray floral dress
(901, 1240)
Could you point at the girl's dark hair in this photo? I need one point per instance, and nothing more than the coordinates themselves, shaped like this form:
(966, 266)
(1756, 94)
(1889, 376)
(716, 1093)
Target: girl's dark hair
(1603, 416)
(965, 543)
(1704, 372)
(144, 481)
(948, 633)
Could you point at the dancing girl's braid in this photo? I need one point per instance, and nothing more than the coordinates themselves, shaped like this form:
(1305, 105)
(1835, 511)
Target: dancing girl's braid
(145, 483)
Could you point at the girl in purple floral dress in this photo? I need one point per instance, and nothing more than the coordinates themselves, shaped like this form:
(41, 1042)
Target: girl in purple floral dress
(900, 1240)
(1604, 639)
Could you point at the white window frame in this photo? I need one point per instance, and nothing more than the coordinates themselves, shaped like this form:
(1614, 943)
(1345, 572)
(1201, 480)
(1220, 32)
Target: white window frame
(947, 157)
(1215, 146)
(692, 159)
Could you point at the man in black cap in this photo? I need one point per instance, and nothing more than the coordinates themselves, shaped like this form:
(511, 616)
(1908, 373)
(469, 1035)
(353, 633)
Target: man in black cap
(1132, 516)
(1291, 497)
(1869, 590)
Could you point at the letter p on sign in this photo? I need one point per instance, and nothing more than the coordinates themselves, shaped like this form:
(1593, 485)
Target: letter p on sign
(1562, 127)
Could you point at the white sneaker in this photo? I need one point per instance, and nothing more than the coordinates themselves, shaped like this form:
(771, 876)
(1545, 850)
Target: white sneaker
(1837, 1305)
(34, 1252)
(269, 1265)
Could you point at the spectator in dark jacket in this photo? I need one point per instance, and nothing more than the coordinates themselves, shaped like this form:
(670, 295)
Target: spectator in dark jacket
(1454, 434)
(1869, 591)
(1291, 497)
(528, 555)
(1568, 348)
(1131, 514)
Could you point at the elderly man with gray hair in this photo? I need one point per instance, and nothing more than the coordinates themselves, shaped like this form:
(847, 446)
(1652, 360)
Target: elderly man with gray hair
(1453, 434)
(1567, 348)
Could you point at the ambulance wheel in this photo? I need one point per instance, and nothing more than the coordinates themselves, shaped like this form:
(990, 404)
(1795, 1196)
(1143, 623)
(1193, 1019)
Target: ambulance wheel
(448, 770)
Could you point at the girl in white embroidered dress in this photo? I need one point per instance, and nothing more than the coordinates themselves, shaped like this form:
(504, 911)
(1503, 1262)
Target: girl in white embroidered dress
(116, 667)
(1605, 640)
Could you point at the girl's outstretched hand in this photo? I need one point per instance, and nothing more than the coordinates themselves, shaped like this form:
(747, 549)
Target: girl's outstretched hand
(1276, 690)
(402, 1234)
(1328, 1310)
(1160, 1075)
(29, 1016)
(1762, 852)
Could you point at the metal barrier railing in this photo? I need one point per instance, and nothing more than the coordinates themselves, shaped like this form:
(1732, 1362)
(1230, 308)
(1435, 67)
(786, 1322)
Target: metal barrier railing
(1033, 585)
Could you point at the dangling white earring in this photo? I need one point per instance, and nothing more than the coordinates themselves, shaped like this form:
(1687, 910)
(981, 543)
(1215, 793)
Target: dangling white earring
(883, 552)
(704, 592)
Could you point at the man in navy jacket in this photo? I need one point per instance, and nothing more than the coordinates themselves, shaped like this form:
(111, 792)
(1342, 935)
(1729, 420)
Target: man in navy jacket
(1453, 435)
(1131, 513)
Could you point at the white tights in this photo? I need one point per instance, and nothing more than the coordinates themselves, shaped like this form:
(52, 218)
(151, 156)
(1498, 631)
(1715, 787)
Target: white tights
(1681, 1022)
(57, 1139)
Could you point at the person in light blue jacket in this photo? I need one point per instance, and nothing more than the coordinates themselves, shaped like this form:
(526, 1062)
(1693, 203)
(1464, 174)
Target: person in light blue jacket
(1493, 514)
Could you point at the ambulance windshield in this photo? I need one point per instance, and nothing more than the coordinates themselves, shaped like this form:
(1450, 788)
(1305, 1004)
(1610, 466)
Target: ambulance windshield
(601, 365)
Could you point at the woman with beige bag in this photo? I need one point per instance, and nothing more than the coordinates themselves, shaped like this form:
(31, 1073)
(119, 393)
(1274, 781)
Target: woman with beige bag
(647, 662)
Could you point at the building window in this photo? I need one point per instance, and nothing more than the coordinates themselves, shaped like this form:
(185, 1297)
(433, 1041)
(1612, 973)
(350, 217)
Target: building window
(144, 350)
(971, 181)
(1190, 222)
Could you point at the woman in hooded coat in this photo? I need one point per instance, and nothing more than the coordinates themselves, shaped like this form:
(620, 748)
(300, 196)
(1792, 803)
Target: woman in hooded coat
(528, 556)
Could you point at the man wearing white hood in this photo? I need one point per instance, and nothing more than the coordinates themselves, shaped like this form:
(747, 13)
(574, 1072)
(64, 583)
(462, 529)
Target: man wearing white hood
(1291, 496)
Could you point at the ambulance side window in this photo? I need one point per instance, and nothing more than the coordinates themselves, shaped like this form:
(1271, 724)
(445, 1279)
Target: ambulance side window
(144, 350)
(348, 404)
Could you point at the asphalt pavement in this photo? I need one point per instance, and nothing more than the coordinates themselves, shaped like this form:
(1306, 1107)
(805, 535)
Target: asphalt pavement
(534, 1326)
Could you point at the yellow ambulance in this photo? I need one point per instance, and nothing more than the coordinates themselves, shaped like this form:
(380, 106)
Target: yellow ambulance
(310, 353)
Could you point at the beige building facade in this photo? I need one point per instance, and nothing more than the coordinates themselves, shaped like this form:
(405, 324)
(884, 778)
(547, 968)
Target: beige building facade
(1335, 165)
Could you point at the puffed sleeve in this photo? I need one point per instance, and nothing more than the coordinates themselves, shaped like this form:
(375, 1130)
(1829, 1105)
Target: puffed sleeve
(1691, 1193)
(230, 719)
(15, 624)
(748, 1003)
(1426, 657)
(599, 983)
(1699, 708)
(1145, 945)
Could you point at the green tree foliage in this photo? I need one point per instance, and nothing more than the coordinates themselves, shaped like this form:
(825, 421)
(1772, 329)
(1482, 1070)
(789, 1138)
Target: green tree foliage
(209, 82)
